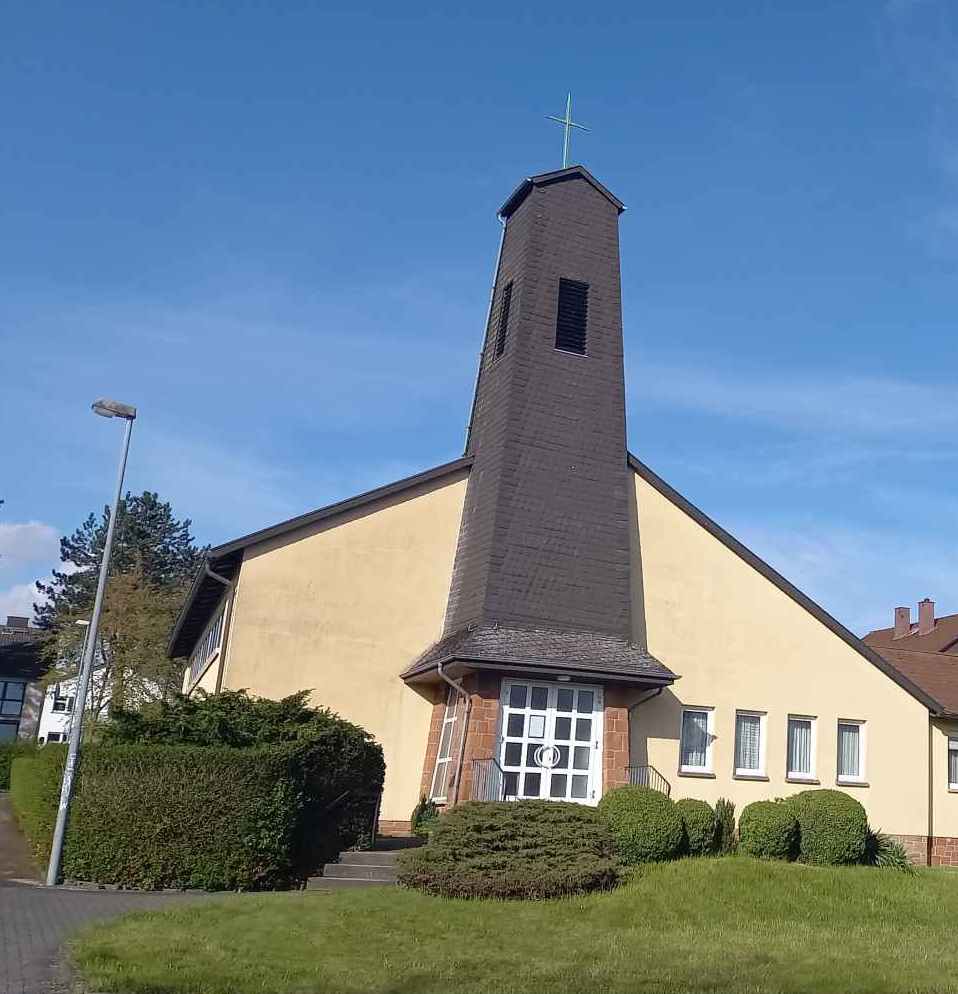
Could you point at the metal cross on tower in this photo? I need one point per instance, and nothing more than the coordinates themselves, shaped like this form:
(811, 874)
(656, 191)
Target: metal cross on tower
(568, 124)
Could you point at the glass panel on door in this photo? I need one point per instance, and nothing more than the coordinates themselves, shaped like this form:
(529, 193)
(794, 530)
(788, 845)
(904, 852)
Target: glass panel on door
(551, 745)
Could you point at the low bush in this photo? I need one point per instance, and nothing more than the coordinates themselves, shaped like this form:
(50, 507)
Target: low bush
(157, 814)
(698, 820)
(518, 849)
(646, 825)
(425, 817)
(833, 827)
(769, 830)
(883, 851)
(725, 839)
(9, 751)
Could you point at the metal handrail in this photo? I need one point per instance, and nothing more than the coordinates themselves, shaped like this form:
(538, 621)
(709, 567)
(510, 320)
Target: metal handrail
(648, 776)
(488, 780)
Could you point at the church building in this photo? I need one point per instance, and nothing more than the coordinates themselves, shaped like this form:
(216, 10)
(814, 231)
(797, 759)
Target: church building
(545, 616)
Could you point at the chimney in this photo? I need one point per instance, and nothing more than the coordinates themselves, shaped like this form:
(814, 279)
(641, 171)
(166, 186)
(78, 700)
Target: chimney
(926, 616)
(902, 621)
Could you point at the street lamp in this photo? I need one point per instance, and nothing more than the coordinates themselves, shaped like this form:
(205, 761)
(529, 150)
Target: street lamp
(107, 409)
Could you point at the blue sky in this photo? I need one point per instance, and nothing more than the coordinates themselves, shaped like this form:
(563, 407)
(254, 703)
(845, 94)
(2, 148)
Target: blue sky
(272, 227)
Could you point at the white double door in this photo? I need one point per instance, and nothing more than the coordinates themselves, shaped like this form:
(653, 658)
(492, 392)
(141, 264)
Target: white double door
(551, 741)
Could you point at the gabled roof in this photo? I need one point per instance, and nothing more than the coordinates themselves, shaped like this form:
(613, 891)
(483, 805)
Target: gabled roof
(206, 591)
(546, 651)
(902, 678)
(558, 176)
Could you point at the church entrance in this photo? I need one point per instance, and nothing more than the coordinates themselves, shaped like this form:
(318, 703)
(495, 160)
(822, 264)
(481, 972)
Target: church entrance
(551, 741)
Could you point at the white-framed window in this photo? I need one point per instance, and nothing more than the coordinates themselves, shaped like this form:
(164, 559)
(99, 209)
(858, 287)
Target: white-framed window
(801, 747)
(750, 743)
(209, 643)
(695, 744)
(953, 763)
(851, 751)
(62, 703)
(440, 776)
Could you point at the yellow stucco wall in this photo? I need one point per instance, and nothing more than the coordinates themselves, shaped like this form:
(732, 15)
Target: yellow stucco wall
(738, 642)
(944, 815)
(342, 608)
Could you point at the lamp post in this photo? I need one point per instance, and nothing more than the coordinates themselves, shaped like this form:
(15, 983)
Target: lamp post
(106, 409)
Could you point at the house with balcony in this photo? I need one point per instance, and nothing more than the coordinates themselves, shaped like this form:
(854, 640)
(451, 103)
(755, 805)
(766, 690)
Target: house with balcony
(545, 616)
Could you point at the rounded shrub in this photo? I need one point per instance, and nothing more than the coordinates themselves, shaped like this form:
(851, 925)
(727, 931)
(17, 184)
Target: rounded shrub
(698, 820)
(769, 830)
(518, 849)
(833, 827)
(646, 825)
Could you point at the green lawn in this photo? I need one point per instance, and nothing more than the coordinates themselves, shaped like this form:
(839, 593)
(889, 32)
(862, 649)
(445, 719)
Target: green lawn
(696, 925)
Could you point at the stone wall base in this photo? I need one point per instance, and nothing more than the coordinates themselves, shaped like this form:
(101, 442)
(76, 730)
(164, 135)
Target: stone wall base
(938, 850)
(394, 828)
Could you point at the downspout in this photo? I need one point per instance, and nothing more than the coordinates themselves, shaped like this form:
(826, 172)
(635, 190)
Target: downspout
(482, 351)
(647, 696)
(461, 691)
(226, 622)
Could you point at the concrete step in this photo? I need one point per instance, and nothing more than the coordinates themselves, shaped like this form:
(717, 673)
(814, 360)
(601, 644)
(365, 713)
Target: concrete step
(341, 883)
(385, 843)
(346, 871)
(370, 857)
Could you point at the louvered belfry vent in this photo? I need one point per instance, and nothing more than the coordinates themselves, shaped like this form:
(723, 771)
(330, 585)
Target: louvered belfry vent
(503, 326)
(572, 316)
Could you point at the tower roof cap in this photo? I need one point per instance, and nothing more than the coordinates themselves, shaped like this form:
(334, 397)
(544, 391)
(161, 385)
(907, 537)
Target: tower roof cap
(558, 176)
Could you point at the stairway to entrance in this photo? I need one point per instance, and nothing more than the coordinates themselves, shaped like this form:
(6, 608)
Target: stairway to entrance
(374, 867)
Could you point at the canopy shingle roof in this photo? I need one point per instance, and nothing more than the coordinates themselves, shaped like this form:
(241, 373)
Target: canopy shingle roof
(585, 654)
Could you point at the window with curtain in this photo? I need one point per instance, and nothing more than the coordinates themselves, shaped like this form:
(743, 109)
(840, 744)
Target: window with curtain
(851, 750)
(801, 748)
(749, 759)
(695, 750)
(953, 764)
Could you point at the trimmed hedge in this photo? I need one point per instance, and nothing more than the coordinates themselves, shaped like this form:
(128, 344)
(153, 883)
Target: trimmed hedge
(645, 824)
(9, 751)
(833, 827)
(204, 817)
(513, 849)
(698, 820)
(35, 795)
(769, 830)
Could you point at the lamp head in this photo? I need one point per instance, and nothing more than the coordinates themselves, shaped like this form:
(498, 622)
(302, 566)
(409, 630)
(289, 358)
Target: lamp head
(107, 408)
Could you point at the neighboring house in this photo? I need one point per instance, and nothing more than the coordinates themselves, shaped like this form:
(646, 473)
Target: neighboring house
(545, 616)
(21, 669)
(926, 653)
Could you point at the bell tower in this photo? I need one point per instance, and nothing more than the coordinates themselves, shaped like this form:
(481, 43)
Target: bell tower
(544, 540)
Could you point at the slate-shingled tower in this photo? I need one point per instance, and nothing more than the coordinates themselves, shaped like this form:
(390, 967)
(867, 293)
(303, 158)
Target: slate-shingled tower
(545, 531)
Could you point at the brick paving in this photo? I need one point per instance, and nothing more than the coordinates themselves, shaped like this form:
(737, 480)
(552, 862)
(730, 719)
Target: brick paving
(35, 921)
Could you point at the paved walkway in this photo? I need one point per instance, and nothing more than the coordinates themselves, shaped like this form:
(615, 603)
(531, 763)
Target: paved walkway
(35, 921)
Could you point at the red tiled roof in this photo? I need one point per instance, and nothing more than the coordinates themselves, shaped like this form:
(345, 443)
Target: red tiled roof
(930, 661)
(943, 637)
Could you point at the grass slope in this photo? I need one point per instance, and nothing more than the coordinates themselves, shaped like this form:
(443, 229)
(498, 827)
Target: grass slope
(729, 925)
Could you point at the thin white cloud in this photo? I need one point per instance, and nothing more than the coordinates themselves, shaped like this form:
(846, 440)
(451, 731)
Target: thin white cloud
(18, 600)
(849, 571)
(28, 541)
(848, 405)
